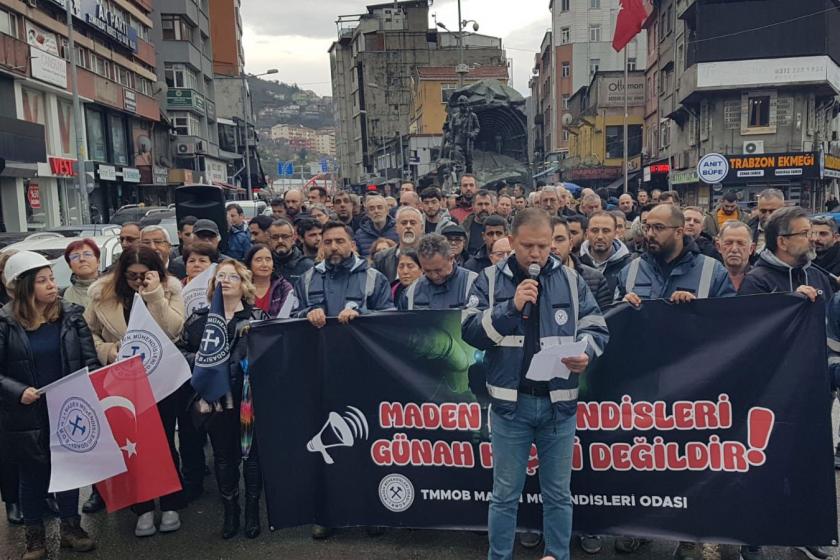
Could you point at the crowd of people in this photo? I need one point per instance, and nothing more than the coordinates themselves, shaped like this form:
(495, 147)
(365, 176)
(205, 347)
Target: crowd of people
(341, 256)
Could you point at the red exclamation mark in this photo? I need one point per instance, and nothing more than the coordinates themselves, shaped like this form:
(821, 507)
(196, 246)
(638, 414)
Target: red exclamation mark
(758, 433)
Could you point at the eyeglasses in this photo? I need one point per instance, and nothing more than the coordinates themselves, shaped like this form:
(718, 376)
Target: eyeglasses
(135, 276)
(806, 233)
(657, 228)
(229, 276)
(278, 237)
(155, 242)
(76, 256)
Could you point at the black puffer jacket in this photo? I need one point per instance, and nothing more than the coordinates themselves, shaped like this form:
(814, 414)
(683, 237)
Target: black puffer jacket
(24, 436)
(596, 281)
(237, 328)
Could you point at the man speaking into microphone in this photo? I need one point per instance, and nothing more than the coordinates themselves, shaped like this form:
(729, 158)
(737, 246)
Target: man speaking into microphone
(519, 313)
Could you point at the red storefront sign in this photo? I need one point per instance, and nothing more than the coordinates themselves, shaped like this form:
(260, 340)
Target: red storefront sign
(33, 195)
(62, 167)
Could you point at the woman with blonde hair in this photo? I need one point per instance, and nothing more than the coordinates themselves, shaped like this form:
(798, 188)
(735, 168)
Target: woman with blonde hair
(139, 270)
(230, 421)
(42, 339)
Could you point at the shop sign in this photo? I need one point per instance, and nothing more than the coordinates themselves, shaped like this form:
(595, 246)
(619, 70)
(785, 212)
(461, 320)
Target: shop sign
(216, 171)
(831, 166)
(131, 175)
(48, 68)
(130, 101)
(712, 168)
(62, 167)
(184, 98)
(593, 173)
(684, 177)
(160, 176)
(802, 164)
(107, 173)
(41, 39)
(33, 195)
(107, 18)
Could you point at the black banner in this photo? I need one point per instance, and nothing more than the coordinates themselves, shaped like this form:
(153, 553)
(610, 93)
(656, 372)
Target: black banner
(703, 422)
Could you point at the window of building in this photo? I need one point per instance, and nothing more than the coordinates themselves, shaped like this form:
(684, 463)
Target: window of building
(664, 134)
(564, 5)
(565, 70)
(186, 124)
(66, 138)
(565, 35)
(594, 64)
(595, 4)
(96, 138)
(5, 26)
(631, 64)
(175, 28)
(119, 140)
(565, 101)
(446, 91)
(14, 25)
(615, 141)
(179, 76)
(594, 33)
(759, 111)
(565, 135)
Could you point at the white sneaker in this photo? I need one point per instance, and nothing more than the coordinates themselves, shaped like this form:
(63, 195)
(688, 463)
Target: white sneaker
(169, 521)
(145, 525)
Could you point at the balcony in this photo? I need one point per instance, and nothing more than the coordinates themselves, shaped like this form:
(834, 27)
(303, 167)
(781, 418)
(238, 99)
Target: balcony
(14, 54)
(185, 99)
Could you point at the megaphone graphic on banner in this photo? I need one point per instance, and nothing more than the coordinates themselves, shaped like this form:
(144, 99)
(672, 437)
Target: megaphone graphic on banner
(339, 431)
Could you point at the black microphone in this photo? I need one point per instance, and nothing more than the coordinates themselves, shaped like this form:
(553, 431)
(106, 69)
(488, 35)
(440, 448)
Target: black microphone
(533, 274)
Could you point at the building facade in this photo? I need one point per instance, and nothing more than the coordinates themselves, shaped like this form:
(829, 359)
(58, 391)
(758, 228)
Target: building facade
(116, 62)
(581, 34)
(372, 64)
(727, 81)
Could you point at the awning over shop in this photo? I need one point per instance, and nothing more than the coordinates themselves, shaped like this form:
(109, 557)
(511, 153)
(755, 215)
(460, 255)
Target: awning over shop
(619, 183)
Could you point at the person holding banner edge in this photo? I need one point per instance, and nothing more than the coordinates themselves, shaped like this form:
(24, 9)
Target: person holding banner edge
(32, 328)
(233, 442)
(517, 315)
(140, 270)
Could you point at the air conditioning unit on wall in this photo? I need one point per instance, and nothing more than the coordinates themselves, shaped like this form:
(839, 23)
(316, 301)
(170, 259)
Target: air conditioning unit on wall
(754, 147)
(185, 148)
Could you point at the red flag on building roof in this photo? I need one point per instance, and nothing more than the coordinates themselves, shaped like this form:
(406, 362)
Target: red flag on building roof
(631, 18)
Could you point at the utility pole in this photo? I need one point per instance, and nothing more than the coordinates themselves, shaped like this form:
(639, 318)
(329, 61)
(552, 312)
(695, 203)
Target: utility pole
(460, 48)
(81, 175)
(245, 107)
(626, 85)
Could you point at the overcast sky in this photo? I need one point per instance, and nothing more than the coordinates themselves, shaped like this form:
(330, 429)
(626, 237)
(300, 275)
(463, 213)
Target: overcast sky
(294, 35)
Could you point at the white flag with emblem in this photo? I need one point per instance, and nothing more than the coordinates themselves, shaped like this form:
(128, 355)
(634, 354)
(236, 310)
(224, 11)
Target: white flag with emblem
(165, 365)
(195, 292)
(83, 450)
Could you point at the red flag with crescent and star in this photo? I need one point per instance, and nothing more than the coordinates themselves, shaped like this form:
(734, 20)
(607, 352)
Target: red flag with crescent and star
(631, 18)
(125, 393)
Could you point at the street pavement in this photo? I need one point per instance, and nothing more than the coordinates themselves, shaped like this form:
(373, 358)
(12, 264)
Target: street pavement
(200, 538)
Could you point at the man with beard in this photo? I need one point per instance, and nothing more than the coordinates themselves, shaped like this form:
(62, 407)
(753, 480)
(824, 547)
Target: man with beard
(769, 200)
(309, 232)
(672, 266)
(694, 217)
(495, 227)
(824, 235)
(627, 206)
(409, 229)
(726, 210)
(343, 208)
(469, 187)
(785, 265)
(561, 247)
(736, 246)
(474, 223)
(289, 260)
(378, 223)
(343, 285)
(437, 217)
(293, 201)
(578, 224)
(444, 285)
(602, 251)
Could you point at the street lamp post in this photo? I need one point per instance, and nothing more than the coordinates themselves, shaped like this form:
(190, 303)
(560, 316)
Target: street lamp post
(77, 117)
(461, 69)
(246, 109)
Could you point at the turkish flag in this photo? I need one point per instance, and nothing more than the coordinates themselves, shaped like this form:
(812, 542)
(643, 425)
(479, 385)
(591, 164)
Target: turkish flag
(125, 393)
(631, 18)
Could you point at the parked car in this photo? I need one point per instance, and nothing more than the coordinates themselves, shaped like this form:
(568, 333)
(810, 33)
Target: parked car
(52, 248)
(85, 230)
(133, 213)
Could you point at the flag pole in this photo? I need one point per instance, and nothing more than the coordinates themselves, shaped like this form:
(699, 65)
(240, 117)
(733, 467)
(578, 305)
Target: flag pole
(626, 85)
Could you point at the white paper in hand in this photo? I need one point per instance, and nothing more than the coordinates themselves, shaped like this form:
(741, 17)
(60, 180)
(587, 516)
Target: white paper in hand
(546, 364)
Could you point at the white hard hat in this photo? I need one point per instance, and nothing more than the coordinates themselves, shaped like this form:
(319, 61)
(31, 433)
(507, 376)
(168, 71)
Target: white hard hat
(22, 262)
